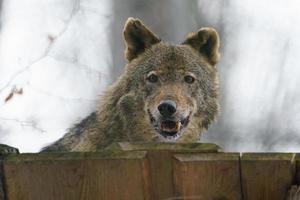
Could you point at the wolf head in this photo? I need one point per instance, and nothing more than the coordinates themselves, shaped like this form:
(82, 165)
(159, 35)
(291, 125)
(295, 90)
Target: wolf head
(177, 84)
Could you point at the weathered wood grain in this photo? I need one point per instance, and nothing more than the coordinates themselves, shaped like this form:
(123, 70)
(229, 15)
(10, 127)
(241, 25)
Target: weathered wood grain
(267, 176)
(2, 195)
(148, 171)
(81, 176)
(297, 159)
(161, 161)
(208, 176)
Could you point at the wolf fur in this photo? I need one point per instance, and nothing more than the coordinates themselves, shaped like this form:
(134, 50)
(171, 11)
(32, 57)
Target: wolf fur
(184, 77)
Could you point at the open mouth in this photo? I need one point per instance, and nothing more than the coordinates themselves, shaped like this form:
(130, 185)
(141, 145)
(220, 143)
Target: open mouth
(170, 129)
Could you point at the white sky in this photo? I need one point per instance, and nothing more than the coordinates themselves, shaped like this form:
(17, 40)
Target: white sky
(53, 51)
(58, 53)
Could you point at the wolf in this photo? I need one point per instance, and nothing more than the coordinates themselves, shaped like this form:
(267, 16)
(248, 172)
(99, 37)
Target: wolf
(168, 93)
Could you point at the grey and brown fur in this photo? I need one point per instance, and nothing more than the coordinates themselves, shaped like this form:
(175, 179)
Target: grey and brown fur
(128, 109)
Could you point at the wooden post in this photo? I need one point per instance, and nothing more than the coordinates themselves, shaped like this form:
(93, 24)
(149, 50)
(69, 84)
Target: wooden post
(2, 195)
(267, 176)
(82, 176)
(207, 176)
(160, 157)
(4, 151)
(297, 159)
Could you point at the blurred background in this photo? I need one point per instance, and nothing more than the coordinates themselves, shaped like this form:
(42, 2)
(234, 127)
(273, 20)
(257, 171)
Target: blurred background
(57, 57)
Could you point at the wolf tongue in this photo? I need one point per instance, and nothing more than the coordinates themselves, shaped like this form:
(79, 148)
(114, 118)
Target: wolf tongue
(170, 126)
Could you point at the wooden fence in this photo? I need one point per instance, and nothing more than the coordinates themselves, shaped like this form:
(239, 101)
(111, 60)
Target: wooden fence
(149, 171)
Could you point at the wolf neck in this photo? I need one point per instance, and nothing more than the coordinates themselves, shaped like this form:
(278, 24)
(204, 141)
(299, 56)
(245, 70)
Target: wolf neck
(120, 114)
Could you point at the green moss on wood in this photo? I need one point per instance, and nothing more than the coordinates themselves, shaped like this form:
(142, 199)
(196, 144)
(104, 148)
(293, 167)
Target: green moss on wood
(268, 156)
(207, 157)
(174, 147)
(75, 156)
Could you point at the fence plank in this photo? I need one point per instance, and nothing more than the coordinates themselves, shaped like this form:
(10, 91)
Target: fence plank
(267, 176)
(2, 195)
(174, 147)
(160, 161)
(81, 176)
(297, 168)
(207, 176)
(4, 151)
(149, 171)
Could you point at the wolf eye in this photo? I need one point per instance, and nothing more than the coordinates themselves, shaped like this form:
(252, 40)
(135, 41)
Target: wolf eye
(152, 78)
(189, 79)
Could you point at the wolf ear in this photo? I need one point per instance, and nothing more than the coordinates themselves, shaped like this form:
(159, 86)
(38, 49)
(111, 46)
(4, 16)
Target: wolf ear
(206, 41)
(137, 37)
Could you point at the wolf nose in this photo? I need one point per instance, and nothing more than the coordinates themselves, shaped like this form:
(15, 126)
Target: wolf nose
(167, 108)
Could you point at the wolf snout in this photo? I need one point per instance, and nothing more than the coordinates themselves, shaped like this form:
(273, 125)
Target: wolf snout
(167, 108)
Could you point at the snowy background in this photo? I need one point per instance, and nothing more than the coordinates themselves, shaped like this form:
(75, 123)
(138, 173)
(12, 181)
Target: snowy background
(57, 57)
